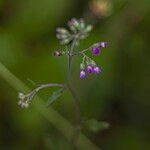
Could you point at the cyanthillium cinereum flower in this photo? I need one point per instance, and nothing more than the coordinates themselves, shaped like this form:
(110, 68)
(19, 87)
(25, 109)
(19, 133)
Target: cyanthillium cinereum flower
(77, 31)
(82, 74)
(103, 44)
(96, 70)
(89, 69)
(96, 51)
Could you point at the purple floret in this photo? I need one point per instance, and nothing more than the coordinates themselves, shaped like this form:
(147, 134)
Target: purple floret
(89, 69)
(96, 50)
(103, 44)
(82, 74)
(97, 70)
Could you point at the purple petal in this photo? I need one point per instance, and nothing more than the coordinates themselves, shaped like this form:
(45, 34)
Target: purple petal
(82, 74)
(103, 44)
(89, 69)
(97, 70)
(96, 50)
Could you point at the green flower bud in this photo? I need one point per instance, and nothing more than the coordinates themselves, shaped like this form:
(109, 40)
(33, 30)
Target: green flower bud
(82, 24)
(82, 66)
(64, 41)
(21, 96)
(88, 28)
(62, 31)
(93, 63)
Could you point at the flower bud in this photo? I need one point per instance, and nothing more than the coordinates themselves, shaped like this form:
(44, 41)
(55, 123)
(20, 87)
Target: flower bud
(75, 22)
(62, 36)
(26, 105)
(89, 69)
(82, 66)
(93, 63)
(64, 41)
(88, 28)
(96, 51)
(57, 53)
(19, 102)
(82, 24)
(103, 44)
(82, 74)
(21, 96)
(62, 31)
(71, 26)
(96, 70)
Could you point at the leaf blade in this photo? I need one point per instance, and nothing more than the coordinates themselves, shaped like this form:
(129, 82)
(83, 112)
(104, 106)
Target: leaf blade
(55, 95)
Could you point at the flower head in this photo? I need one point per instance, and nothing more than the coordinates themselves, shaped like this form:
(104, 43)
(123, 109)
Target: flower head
(103, 44)
(82, 74)
(89, 69)
(22, 100)
(96, 51)
(97, 70)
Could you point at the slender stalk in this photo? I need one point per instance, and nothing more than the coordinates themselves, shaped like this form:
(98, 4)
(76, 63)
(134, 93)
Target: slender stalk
(42, 86)
(74, 96)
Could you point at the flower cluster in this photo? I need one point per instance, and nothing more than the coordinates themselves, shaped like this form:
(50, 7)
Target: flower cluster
(77, 29)
(88, 65)
(22, 100)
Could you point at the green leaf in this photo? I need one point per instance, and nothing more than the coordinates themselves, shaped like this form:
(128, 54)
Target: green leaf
(55, 96)
(96, 126)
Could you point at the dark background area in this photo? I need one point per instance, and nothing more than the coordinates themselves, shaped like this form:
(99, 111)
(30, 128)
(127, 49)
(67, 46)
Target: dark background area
(120, 95)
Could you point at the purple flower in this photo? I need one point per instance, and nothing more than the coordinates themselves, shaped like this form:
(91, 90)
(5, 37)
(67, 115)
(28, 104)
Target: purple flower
(82, 74)
(96, 50)
(89, 69)
(103, 44)
(97, 70)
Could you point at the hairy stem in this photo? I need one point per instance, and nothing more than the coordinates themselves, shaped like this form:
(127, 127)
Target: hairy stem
(74, 96)
(42, 86)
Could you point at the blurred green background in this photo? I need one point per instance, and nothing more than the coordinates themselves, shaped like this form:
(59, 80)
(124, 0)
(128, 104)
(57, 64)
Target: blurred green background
(120, 95)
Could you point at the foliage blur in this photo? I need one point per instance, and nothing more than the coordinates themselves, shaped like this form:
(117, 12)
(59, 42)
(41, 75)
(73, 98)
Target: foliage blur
(119, 96)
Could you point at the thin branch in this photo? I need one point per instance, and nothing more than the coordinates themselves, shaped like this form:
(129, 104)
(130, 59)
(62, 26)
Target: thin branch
(43, 86)
(74, 96)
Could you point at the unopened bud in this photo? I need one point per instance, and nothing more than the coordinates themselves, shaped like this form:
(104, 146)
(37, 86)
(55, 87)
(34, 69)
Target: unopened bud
(64, 41)
(57, 53)
(88, 28)
(82, 66)
(62, 31)
(82, 23)
(26, 105)
(75, 22)
(103, 44)
(71, 26)
(21, 96)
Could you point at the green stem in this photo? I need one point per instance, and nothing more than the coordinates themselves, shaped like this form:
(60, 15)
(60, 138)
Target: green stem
(73, 93)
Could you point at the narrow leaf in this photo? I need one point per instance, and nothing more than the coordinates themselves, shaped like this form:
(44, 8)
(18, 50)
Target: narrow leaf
(55, 96)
